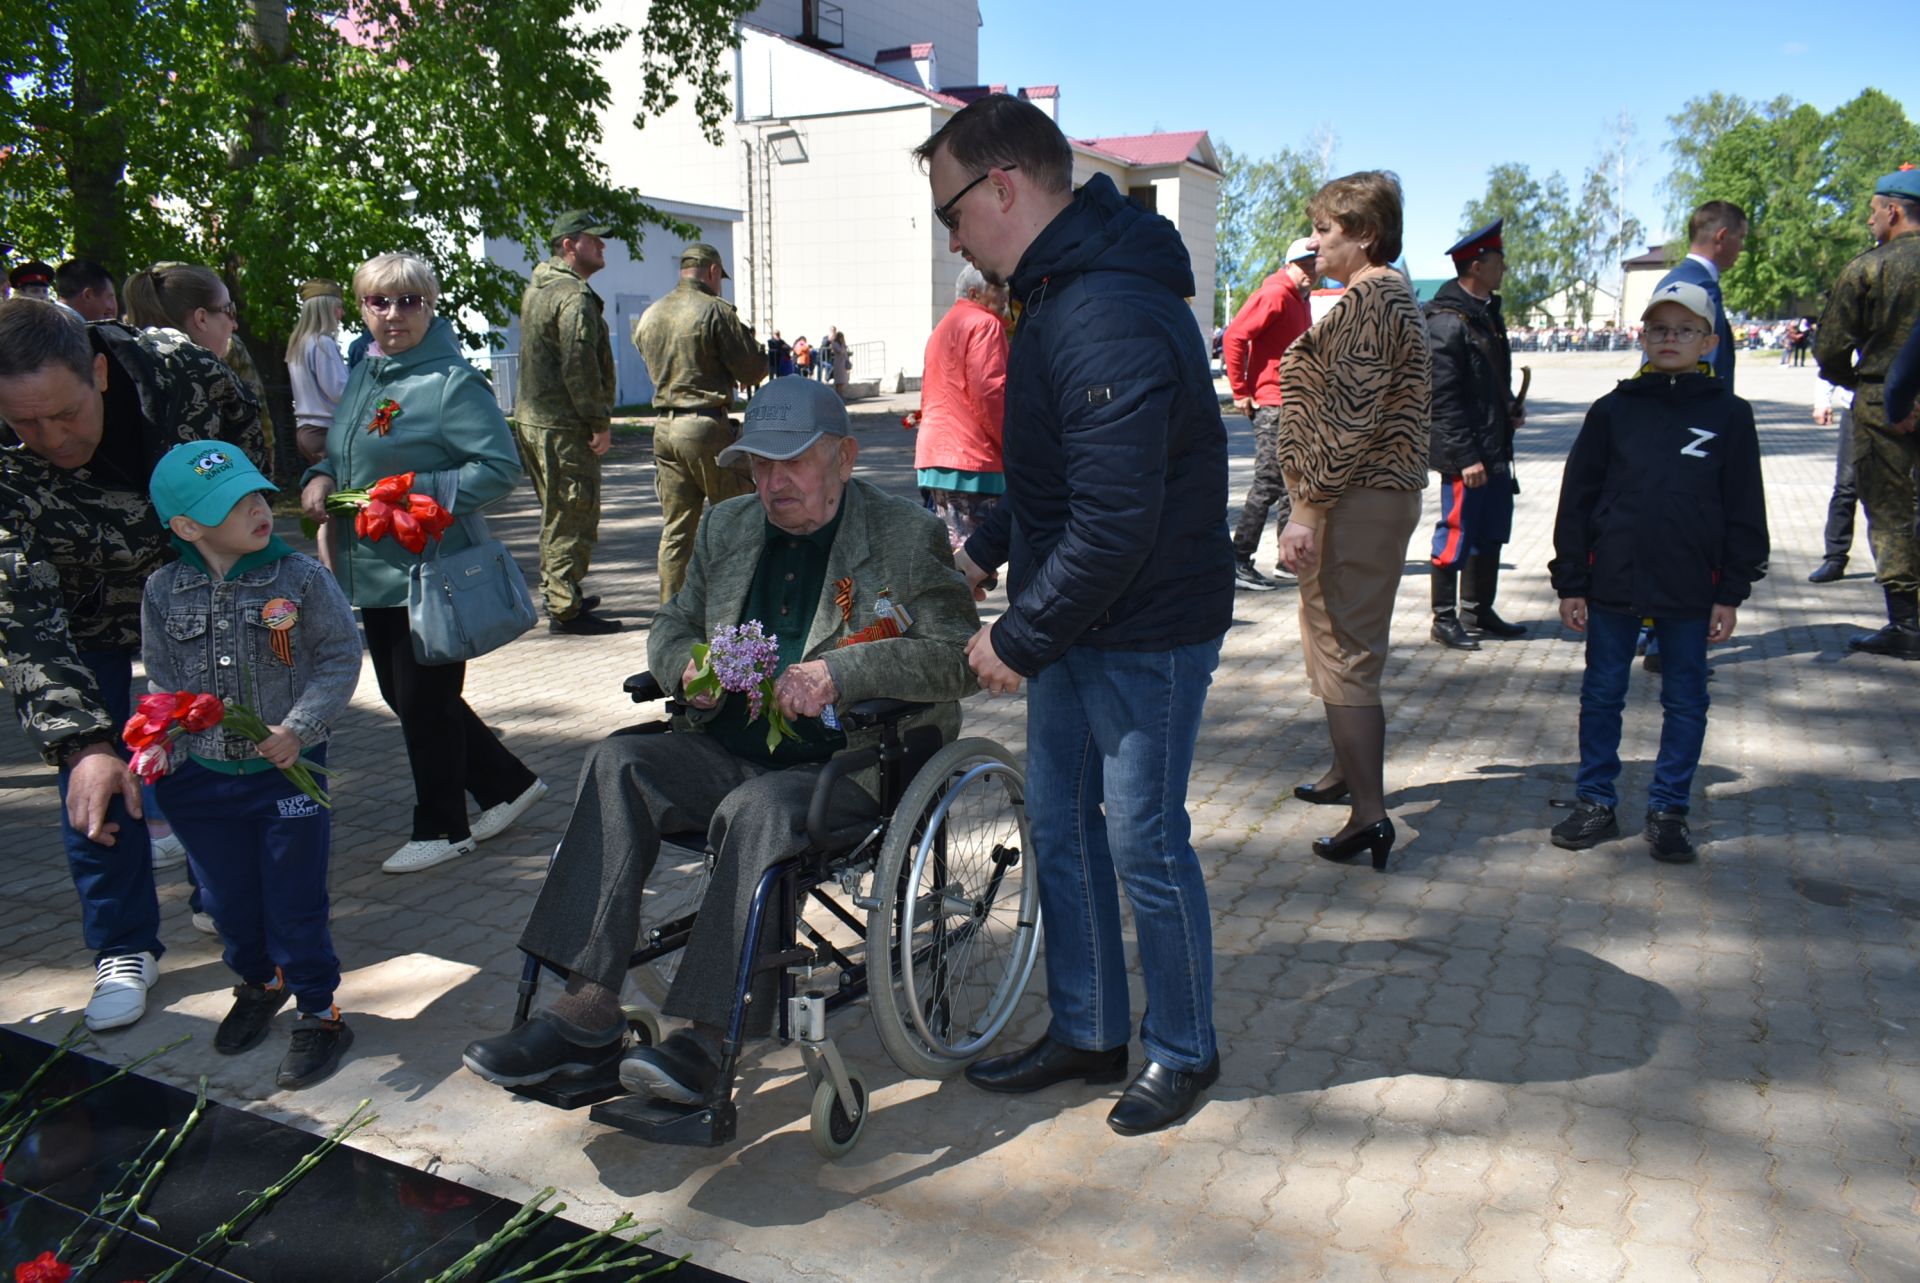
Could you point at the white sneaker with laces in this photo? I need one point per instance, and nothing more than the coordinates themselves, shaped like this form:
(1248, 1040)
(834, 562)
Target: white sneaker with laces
(424, 853)
(120, 990)
(494, 820)
(168, 852)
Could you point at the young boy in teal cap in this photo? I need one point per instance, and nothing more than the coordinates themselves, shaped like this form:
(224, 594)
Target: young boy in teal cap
(244, 617)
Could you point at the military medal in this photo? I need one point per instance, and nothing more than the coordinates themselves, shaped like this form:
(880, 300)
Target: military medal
(279, 616)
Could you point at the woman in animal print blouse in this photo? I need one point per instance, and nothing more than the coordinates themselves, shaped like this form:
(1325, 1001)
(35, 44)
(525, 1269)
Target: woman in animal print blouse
(1357, 395)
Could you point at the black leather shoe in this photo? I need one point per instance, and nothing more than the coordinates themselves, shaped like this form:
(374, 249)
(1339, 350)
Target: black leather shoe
(1327, 796)
(1451, 633)
(1376, 838)
(679, 1070)
(1828, 571)
(535, 1052)
(1045, 1063)
(254, 1007)
(1485, 621)
(1160, 1097)
(585, 624)
(1896, 640)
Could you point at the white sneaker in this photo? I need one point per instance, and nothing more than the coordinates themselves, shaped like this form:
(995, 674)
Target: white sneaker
(494, 820)
(120, 990)
(203, 923)
(168, 852)
(424, 853)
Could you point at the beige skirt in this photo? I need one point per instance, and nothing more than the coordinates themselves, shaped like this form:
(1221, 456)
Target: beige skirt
(1346, 597)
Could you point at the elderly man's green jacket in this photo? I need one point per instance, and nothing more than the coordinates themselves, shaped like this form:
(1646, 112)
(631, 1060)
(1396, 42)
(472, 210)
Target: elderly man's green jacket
(884, 543)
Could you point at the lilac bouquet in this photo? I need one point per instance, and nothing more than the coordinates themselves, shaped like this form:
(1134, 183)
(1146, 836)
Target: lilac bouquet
(743, 660)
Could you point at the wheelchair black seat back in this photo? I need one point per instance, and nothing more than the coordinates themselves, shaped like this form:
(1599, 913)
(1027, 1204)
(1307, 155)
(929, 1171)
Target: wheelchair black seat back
(928, 907)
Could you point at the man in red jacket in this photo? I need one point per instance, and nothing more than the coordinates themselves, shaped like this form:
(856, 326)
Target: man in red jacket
(1269, 321)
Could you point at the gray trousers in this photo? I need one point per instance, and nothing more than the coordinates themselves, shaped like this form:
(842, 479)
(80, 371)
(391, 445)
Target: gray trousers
(635, 788)
(1268, 493)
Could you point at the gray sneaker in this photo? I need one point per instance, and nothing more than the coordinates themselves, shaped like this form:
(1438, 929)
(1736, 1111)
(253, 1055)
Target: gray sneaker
(1589, 825)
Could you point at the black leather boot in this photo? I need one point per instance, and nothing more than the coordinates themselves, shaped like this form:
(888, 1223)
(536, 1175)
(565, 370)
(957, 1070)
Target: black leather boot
(1479, 584)
(1900, 639)
(1447, 628)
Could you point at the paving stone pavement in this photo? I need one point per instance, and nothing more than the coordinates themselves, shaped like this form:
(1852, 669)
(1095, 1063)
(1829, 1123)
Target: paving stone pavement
(1499, 1061)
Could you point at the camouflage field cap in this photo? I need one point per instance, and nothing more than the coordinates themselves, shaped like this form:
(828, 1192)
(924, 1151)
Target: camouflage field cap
(701, 254)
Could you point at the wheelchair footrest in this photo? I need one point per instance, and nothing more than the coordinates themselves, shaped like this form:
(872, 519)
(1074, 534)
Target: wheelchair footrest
(665, 1123)
(575, 1091)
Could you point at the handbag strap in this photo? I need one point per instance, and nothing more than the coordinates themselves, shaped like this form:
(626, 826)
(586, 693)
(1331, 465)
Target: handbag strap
(473, 525)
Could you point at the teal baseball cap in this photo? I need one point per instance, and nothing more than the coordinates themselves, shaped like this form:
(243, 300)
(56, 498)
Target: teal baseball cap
(203, 480)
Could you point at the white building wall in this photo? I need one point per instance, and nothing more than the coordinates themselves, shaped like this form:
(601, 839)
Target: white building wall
(953, 26)
(1195, 207)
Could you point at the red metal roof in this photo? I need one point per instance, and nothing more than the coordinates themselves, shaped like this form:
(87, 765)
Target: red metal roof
(1149, 149)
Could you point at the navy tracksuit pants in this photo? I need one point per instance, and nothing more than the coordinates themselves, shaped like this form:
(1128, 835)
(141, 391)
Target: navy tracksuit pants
(260, 849)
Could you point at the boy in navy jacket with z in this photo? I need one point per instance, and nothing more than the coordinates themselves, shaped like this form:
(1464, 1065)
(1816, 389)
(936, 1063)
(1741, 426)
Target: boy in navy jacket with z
(1662, 516)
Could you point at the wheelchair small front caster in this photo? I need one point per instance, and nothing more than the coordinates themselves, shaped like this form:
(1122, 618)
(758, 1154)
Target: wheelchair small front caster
(834, 1133)
(643, 1025)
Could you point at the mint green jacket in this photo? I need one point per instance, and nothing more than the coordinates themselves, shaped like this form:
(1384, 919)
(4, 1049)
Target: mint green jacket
(883, 543)
(448, 430)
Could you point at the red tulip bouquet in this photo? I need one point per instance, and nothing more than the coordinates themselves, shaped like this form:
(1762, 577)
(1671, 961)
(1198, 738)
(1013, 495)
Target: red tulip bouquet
(389, 506)
(164, 718)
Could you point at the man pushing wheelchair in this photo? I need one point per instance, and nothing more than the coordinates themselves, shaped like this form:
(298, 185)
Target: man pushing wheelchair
(860, 591)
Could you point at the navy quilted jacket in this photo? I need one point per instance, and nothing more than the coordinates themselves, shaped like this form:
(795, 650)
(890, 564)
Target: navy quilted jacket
(1116, 458)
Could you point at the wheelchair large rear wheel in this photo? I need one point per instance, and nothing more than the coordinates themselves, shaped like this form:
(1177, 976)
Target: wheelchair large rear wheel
(954, 936)
(673, 893)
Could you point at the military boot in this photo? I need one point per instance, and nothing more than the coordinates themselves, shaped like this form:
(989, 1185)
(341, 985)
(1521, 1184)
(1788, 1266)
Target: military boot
(1479, 584)
(1900, 639)
(1447, 628)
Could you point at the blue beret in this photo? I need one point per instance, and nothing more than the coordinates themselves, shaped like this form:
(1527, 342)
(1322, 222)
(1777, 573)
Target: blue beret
(1904, 181)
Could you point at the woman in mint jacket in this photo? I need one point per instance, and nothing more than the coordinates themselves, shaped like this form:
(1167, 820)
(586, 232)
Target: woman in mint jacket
(415, 405)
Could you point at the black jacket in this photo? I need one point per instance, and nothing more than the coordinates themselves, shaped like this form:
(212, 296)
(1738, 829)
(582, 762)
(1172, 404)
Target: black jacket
(1661, 508)
(1116, 458)
(1472, 382)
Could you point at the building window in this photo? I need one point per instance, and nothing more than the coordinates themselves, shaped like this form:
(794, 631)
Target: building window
(1146, 197)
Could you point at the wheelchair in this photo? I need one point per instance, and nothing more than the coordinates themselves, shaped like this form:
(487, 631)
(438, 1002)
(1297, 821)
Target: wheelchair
(928, 909)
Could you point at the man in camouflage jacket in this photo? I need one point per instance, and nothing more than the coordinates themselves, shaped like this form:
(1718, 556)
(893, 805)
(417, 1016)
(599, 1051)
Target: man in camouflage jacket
(697, 349)
(563, 414)
(78, 538)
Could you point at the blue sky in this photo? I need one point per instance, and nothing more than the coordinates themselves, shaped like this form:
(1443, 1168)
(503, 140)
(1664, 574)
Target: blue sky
(1440, 93)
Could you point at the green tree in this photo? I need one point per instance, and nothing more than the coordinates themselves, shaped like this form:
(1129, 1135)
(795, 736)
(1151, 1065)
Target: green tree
(277, 141)
(1539, 236)
(1262, 208)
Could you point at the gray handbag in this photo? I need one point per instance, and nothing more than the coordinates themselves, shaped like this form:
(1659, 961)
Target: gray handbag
(461, 605)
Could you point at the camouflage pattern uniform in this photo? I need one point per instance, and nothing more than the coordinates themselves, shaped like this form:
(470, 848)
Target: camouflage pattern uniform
(696, 348)
(1869, 312)
(76, 546)
(565, 396)
(240, 361)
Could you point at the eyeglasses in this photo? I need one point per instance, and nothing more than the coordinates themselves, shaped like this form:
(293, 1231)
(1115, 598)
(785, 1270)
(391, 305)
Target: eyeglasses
(393, 302)
(227, 310)
(1685, 333)
(950, 220)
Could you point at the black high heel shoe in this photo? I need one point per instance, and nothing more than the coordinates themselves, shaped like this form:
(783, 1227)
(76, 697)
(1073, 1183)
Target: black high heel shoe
(1377, 838)
(1327, 796)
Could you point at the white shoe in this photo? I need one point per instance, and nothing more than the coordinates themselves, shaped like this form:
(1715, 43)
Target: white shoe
(424, 853)
(168, 852)
(120, 990)
(203, 923)
(494, 820)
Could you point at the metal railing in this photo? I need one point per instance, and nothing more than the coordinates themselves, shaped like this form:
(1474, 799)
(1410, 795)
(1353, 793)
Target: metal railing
(503, 371)
(869, 362)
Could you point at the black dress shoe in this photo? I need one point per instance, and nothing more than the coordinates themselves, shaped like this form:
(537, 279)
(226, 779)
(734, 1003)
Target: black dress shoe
(1828, 571)
(1045, 1063)
(1451, 633)
(1485, 621)
(535, 1052)
(1896, 640)
(585, 624)
(1327, 796)
(679, 1070)
(1160, 1097)
(1377, 838)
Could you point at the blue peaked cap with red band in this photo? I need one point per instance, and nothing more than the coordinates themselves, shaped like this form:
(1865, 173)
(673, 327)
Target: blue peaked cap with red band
(1474, 244)
(1904, 181)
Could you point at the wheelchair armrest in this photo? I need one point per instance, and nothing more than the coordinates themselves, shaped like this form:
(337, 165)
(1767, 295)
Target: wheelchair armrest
(643, 687)
(869, 713)
(838, 767)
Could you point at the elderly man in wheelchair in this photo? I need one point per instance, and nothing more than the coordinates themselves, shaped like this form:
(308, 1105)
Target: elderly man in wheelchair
(820, 560)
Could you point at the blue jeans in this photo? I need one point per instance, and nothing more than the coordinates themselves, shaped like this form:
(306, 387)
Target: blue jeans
(119, 910)
(1683, 697)
(1118, 728)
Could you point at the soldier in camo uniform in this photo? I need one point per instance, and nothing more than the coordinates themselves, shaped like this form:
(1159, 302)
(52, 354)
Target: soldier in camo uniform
(563, 415)
(1869, 313)
(88, 411)
(697, 349)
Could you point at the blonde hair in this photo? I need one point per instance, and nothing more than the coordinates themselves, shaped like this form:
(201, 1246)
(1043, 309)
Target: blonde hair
(164, 295)
(318, 315)
(396, 273)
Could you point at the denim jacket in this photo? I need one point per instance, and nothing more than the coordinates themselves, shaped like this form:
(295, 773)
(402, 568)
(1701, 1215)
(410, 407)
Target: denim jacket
(198, 635)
